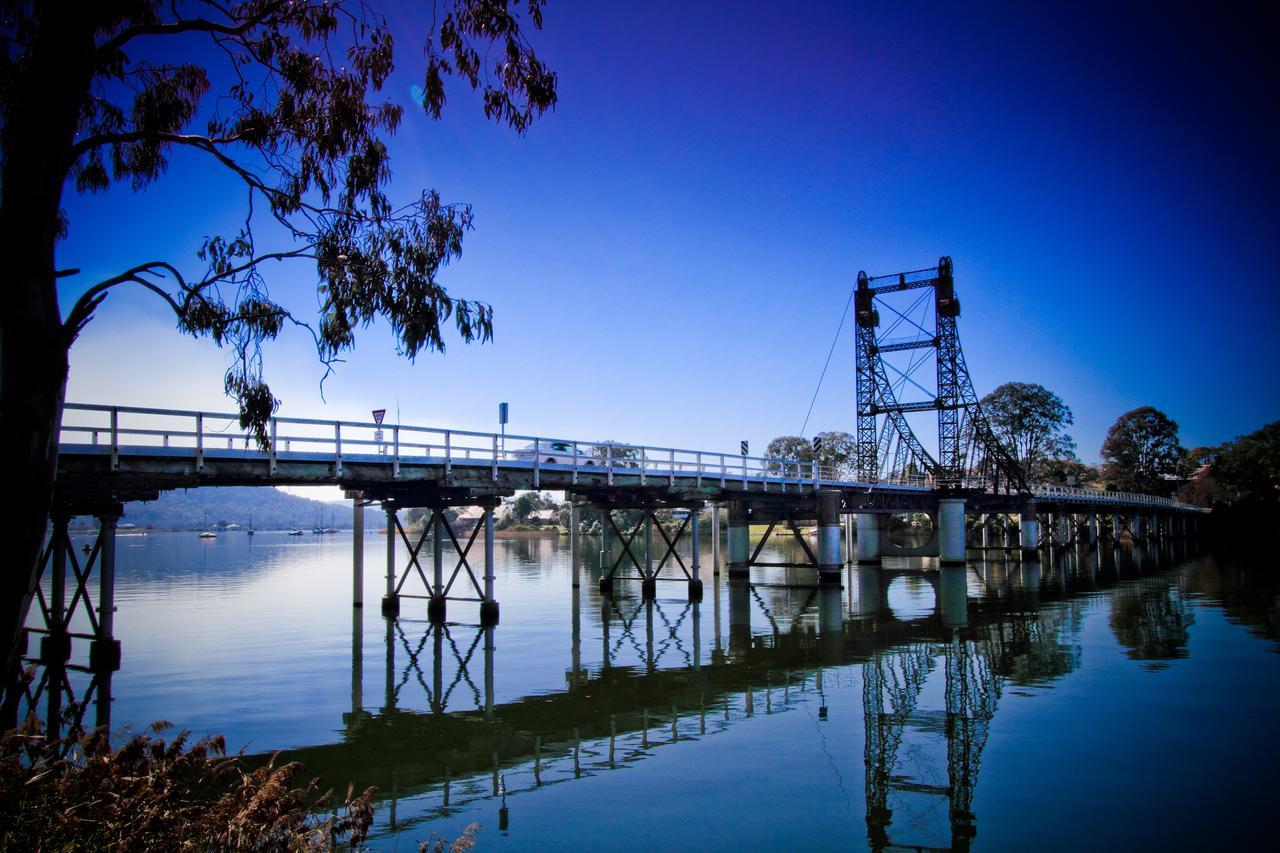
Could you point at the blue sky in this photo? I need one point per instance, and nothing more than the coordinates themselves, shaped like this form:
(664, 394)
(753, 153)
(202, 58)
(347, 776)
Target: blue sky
(668, 253)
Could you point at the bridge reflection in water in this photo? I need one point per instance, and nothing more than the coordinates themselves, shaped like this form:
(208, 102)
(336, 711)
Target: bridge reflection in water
(931, 680)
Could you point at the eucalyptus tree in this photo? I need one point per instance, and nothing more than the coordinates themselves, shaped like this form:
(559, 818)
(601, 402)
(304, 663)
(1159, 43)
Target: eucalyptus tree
(1249, 465)
(789, 448)
(1141, 452)
(1031, 421)
(283, 99)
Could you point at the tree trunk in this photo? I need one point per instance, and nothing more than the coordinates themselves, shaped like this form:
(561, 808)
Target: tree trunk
(39, 128)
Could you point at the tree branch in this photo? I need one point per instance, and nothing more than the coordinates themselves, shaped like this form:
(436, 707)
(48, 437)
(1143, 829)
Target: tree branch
(193, 25)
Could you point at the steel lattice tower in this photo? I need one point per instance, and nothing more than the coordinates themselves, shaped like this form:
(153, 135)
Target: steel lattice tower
(969, 453)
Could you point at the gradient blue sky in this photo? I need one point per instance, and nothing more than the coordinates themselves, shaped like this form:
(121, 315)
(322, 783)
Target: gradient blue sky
(668, 252)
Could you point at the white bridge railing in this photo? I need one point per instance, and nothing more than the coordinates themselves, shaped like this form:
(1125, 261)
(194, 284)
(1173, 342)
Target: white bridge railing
(130, 430)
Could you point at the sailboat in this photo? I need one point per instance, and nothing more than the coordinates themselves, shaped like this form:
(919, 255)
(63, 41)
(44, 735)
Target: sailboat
(250, 530)
(207, 533)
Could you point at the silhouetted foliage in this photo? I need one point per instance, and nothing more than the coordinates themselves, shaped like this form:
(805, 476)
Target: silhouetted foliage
(1031, 421)
(285, 102)
(1249, 466)
(80, 794)
(282, 99)
(1063, 472)
(1141, 450)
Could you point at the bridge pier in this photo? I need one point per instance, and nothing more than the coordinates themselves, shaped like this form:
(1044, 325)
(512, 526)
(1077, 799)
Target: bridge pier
(436, 604)
(695, 582)
(830, 558)
(1115, 528)
(391, 600)
(648, 586)
(739, 545)
(104, 649)
(606, 553)
(951, 545)
(437, 586)
(357, 552)
(1029, 530)
(1093, 530)
(60, 650)
(489, 606)
(868, 541)
(715, 538)
(575, 525)
(849, 521)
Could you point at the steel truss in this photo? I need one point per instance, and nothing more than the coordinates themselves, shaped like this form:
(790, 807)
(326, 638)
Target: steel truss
(754, 560)
(970, 455)
(436, 587)
(438, 590)
(71, 669)
(649, 574)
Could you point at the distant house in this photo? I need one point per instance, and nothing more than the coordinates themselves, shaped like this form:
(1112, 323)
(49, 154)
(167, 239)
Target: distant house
(545, 516)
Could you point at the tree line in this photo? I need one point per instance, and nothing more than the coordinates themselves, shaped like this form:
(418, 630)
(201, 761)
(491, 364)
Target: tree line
(1141, 452)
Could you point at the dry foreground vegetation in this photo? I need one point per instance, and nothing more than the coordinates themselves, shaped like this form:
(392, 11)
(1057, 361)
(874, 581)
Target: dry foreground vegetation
(77, 793)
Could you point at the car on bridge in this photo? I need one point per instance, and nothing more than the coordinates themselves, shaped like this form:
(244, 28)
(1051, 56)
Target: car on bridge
(554, 453)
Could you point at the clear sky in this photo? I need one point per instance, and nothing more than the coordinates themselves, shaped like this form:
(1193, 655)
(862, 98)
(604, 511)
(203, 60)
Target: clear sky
(668, 253)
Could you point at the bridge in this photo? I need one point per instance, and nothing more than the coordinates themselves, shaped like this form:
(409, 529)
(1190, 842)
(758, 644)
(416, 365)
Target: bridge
(973, 489)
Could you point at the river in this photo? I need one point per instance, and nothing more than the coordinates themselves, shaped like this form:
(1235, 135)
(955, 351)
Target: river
(1127, 699)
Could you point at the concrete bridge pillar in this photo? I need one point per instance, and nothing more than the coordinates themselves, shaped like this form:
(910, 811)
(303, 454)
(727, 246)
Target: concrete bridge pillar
(868, 543)
(357, 552)
(695, 568)
(1093, 530)
(104, 649)
(739, 546)
(575, 530)
(986, 531)
(848, 539)
(606, 552)
(436, 606)
(1063, 533)
(1029, 527)
(830, 556)
(1115, 527)
(951, 531)
(489, 607)
(391, 601)
(715, 538)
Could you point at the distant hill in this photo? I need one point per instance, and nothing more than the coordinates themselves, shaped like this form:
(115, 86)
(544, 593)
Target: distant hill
(267, 508)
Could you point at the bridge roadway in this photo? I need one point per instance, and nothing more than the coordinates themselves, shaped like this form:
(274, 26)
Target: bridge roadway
(112, 454)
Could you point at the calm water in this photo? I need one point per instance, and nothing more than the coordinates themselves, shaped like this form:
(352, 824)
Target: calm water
(1127, 701)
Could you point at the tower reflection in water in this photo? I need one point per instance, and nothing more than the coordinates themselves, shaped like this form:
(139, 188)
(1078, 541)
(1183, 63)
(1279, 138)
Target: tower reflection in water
(931, 682)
